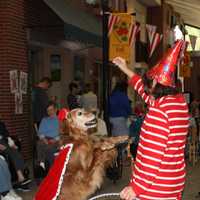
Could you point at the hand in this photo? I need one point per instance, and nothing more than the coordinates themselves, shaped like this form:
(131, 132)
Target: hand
(120, 62)
(2, 147)
(153, 86)
(44, 140)
(128, 193)
(36, 127)
(52, 141)
(14, 147)
(11, 142)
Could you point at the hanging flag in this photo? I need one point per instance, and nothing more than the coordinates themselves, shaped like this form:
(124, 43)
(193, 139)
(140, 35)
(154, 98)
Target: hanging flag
(113, 19)
(185, 69)
(51, 186)
(133, 31)
(193, 40)
(151, 31)
(156, 41)
(170, 36)
(122, 34)
(183, 50)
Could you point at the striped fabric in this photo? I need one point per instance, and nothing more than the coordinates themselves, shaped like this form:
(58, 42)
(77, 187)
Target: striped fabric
(159, 171)
(113, 19)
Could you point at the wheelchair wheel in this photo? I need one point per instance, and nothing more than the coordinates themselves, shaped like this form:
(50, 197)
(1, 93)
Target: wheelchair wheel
(114, 172)
(107, 196)
(120, 163)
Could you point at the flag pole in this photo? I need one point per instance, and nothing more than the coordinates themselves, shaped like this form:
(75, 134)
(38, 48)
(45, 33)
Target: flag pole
(105, 70)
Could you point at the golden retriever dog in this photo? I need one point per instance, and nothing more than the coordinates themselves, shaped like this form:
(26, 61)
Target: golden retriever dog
(90, 156)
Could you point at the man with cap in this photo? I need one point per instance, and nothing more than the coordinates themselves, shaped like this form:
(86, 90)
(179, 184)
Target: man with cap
(159, 169)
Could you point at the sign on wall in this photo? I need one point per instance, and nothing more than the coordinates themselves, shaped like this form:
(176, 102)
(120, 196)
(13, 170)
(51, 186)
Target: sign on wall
(23, 82)
(18, 87)
(14, 81)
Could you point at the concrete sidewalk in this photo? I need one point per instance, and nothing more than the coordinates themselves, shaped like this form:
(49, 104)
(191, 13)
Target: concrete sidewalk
(191, 189)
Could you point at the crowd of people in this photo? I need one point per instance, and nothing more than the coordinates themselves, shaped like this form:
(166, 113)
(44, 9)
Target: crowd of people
(46, 122)
(47, 129)
(45, 118)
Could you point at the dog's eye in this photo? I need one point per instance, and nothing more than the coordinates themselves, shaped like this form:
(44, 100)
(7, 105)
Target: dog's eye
(79, 113)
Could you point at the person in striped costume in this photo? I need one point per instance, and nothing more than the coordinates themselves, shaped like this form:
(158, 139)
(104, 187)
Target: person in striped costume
(159, 169)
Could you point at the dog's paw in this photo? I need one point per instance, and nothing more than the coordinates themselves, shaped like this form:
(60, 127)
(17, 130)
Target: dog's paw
(107, 145)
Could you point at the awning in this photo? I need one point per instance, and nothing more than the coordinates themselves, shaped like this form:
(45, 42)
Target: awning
(150, 3)
(77, 34)
(188, 9)
(79, 25)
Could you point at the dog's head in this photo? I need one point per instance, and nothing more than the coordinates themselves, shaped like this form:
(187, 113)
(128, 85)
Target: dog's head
(79, 121)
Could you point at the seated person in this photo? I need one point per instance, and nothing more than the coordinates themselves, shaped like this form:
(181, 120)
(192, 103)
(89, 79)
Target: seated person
(6, 191)
(9, 150)
(101, 129)
(48, 134)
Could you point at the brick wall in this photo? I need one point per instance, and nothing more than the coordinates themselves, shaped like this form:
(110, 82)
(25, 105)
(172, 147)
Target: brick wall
(15, 17)
(13, 55)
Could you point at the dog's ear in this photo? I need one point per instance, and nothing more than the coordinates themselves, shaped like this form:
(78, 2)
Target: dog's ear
(64, 127)
(69, 117)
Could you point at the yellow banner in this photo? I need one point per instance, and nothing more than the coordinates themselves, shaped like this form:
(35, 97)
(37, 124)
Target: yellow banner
(119, 37)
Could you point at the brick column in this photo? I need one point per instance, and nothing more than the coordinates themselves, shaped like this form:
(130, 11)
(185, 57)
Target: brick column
(14, 56)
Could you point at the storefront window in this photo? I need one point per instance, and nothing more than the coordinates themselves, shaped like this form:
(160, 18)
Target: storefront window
(55, 66)
(79, 67)
(193, 31)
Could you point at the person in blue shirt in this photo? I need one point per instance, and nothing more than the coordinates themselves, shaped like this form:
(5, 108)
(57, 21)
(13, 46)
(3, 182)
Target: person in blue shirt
(119, 109)
(48, 134)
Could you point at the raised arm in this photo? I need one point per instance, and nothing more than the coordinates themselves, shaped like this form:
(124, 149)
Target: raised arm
(121, 63)
(135, 80)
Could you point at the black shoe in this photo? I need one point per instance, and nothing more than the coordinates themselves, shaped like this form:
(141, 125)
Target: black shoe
(39, 172)
(23, 188)
(25, 182)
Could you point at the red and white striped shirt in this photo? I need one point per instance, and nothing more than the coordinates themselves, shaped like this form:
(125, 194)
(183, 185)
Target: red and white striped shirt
(159, 170)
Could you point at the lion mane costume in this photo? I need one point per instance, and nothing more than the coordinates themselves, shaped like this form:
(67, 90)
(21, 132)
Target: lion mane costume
(79, 167)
